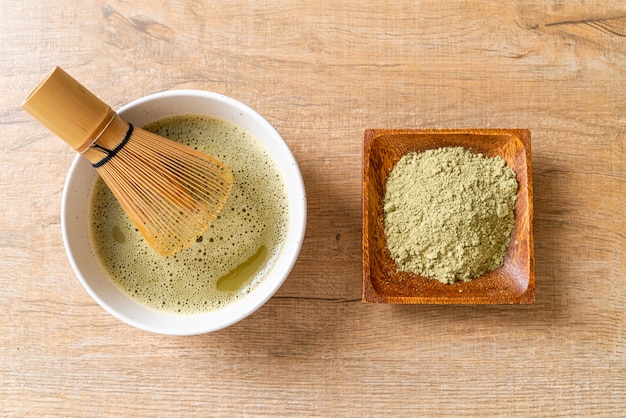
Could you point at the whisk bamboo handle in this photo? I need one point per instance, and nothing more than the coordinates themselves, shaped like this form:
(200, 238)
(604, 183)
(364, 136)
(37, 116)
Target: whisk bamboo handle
(75, 114)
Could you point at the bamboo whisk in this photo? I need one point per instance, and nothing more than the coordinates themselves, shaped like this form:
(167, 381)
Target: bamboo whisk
(171, 192)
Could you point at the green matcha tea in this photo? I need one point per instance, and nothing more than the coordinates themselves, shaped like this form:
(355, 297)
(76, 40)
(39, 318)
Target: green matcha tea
(231, 258)
(449, 213)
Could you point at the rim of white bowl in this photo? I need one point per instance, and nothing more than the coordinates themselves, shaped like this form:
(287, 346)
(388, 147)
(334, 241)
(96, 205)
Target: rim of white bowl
(181, 325)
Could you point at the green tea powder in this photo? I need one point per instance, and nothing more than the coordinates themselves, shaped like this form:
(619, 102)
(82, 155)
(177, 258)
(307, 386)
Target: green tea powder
(449, 213)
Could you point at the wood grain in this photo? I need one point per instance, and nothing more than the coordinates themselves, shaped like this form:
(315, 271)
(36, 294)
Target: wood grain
(322, 73)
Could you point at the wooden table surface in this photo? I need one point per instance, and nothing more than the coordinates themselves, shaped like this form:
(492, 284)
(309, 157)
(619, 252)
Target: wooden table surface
(322, 72)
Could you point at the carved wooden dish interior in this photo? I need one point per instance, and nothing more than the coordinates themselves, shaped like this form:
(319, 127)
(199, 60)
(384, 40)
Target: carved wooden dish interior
(513, 283)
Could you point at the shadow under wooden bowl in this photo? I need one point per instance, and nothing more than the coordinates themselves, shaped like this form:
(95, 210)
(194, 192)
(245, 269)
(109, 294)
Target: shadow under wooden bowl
(513, 283)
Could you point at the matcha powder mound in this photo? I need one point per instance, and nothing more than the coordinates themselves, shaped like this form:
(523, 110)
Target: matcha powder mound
(449, 213)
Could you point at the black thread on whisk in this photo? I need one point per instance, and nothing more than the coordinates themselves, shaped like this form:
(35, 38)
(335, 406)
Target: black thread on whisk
(111, 153)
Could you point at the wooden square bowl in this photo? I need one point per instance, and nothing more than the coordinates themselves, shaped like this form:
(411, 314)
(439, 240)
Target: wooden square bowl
(513, 283)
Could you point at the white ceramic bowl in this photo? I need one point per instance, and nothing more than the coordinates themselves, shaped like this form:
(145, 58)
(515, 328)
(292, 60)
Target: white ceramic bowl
(75, 217)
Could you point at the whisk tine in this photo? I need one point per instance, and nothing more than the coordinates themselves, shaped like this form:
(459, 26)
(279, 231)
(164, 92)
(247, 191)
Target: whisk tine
(173, 183)
(171, 192)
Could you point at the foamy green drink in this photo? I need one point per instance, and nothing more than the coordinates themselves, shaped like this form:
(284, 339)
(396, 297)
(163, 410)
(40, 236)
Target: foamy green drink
(231, 258)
